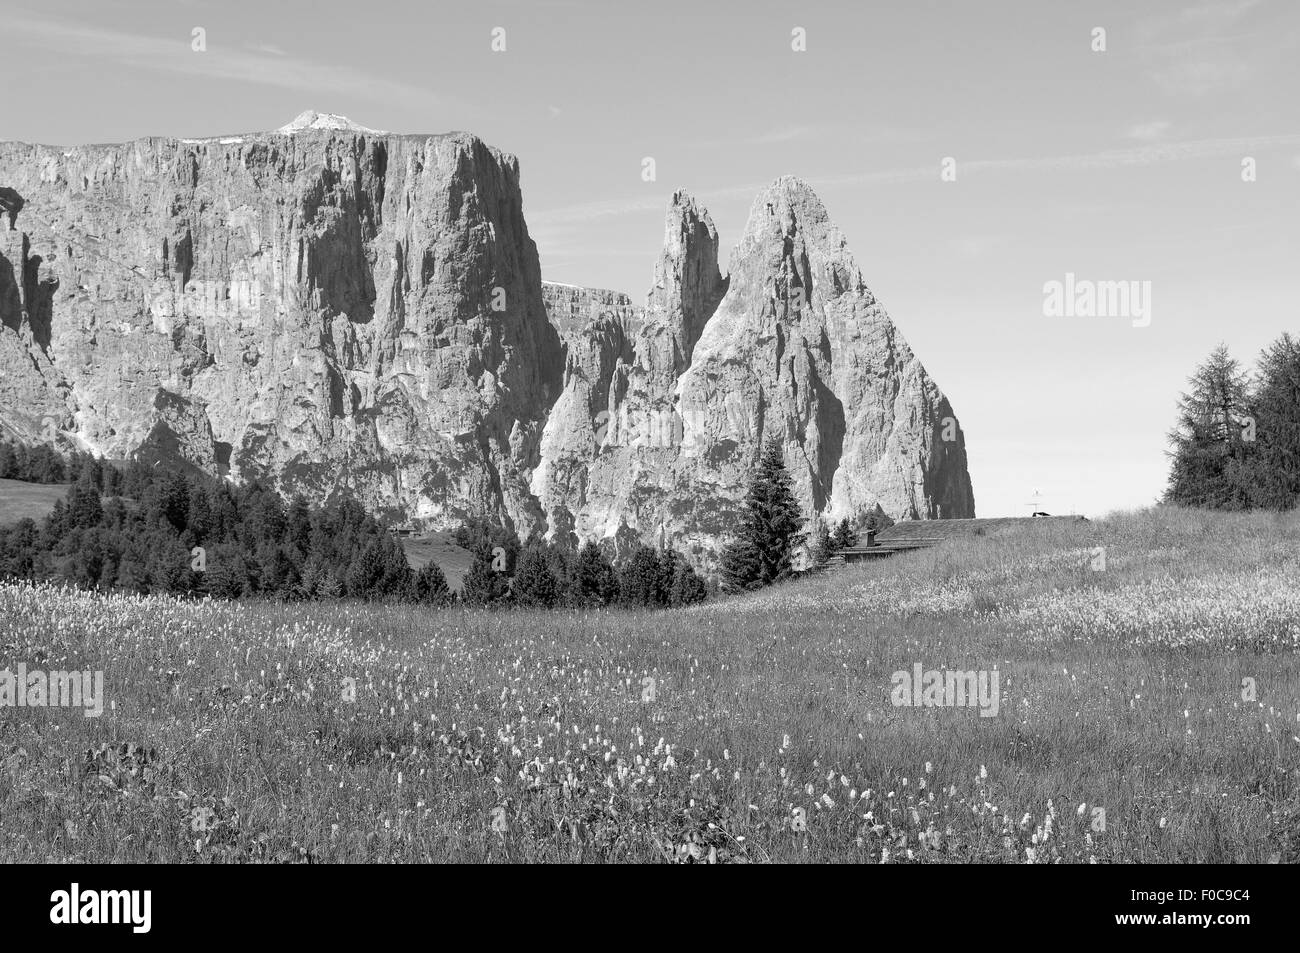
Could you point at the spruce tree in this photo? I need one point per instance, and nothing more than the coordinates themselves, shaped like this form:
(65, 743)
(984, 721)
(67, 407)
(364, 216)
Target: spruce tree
(595, 583)
(1275, 410)
(329, 587)
(1209, 457)
(770, 531)
(687, 586)
(535, 585)
(365, 572)
(84, 509)
(484, 586)
(431, 585)
(641, 582)
(310, 579)
(227, 575)
(846, 536)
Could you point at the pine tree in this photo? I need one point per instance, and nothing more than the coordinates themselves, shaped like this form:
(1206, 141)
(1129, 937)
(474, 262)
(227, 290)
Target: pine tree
(397, 579)
(770, 532)
(84, 509)
(365, 572)
(845, 536)
(687, 586)
(595, 583)
(169, 564)
(174, 499)
(483, 585)
(227, 575)
(132, 573)
(1275, 410)
(310, 579)
(431, 585)
(877, 520)
(56, 523)
(641, 582)
(535, 584)
(199, 515)
(1209, 457)
(330, 587)
(298, 525)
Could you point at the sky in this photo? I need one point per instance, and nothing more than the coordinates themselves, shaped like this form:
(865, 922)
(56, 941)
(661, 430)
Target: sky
(1114, 156)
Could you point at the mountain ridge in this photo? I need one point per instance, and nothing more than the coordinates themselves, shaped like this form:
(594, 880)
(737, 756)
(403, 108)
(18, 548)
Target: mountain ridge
(339, 310)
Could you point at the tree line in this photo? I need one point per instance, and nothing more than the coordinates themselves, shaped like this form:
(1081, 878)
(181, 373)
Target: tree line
(1236, 444)
(555, 574)
(163, 530)
(43, 464)
(146, 529)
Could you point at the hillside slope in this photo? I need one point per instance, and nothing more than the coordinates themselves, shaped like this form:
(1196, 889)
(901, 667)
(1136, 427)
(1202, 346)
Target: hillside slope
(1145, 712)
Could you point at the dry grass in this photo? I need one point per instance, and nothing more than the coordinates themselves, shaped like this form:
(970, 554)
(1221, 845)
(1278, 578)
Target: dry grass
(1121, 690)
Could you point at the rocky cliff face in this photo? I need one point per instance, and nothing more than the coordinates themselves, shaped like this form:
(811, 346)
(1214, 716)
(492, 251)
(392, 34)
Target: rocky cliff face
(339, 310)
(330, 309)
(791, 346)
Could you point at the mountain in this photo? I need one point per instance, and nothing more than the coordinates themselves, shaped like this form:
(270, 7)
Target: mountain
(338, 310)
(663, 412)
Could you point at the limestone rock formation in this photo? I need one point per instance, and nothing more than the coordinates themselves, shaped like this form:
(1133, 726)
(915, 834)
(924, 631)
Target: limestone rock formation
(791, 346)
(337, 310)
(328, 309)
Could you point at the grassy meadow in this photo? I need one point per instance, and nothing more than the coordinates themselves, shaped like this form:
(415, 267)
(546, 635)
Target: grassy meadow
(20, 500)
(750, 729)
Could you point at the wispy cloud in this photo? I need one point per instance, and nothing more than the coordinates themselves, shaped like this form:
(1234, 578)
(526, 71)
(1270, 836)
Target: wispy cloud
(1149, 131)
(1136, 156)
(1200, 77)
(1153, 154)
(266, 66)
(1193, 51)
(1206, 19)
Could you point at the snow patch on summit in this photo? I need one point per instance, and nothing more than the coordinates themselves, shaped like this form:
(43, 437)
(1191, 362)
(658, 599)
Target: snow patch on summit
(314, 120)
